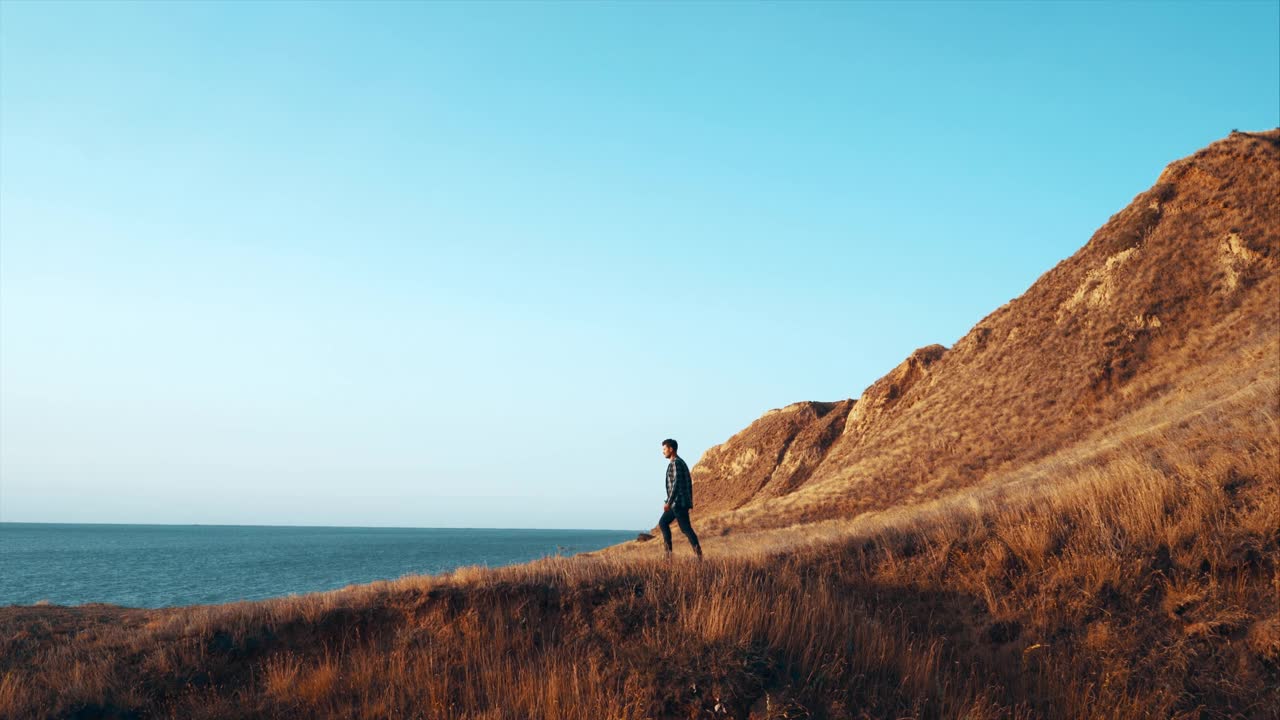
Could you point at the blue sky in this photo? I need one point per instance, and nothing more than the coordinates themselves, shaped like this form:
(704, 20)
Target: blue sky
(468, 264)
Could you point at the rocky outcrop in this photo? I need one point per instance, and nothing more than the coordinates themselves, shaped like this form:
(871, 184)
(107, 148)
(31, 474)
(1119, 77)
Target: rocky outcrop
(895, 391)
(773, 456)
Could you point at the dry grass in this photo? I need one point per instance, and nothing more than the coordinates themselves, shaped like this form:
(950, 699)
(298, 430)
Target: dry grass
(1140, 582)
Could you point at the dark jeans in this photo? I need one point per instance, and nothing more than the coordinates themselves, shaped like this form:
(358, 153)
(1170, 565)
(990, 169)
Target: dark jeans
(680, 515)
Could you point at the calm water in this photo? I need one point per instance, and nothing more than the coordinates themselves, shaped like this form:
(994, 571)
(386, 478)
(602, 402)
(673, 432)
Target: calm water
(156, 565)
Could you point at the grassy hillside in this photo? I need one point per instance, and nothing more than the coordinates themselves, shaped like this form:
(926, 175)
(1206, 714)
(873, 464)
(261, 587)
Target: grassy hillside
(1141, 582)
(1176, 284)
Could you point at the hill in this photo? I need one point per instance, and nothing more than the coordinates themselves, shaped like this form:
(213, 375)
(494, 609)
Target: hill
(1175, 295)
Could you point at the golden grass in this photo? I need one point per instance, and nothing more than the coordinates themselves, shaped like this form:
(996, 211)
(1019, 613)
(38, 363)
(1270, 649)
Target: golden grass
(1136, 581)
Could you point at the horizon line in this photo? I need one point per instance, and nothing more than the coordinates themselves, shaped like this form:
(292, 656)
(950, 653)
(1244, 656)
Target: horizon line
(341, 527)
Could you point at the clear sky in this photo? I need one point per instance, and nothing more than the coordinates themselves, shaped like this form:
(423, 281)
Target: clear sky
(467, 265)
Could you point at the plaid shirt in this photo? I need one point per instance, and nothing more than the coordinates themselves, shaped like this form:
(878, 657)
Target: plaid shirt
(679, 484)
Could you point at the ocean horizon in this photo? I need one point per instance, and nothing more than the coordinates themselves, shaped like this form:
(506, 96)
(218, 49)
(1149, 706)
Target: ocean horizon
(160, 565)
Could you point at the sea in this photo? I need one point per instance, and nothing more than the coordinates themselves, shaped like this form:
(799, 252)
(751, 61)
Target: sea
(164, 565)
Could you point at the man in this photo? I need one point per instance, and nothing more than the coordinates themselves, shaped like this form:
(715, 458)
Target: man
(679, 499)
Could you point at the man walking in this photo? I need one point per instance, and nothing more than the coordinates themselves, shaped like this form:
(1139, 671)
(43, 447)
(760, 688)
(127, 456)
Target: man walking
(679, 499)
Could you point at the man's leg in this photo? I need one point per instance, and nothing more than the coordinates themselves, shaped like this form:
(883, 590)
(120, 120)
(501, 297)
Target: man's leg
(664, 524)
(682, 515)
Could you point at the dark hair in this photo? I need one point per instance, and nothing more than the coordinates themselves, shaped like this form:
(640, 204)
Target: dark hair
(675, 446)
